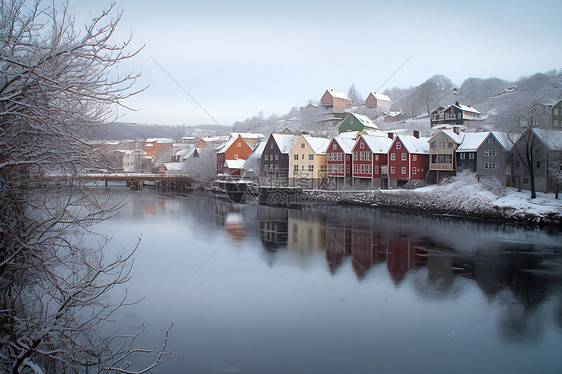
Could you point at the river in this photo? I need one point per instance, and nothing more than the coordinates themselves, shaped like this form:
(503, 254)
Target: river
(332, 289)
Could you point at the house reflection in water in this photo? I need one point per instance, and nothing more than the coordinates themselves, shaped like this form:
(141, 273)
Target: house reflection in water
(307, 232)
(273, 223)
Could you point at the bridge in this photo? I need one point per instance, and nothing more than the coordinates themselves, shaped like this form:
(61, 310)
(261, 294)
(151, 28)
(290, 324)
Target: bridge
(135, 180)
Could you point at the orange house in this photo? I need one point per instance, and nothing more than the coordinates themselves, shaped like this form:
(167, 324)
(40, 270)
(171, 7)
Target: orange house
(154, 147)
(235, 149)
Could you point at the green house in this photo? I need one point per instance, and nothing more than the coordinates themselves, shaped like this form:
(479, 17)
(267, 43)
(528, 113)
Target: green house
(557, 115)
(356, 122)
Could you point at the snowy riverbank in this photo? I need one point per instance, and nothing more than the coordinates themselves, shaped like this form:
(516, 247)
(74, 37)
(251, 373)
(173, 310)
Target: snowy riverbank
(464, 196)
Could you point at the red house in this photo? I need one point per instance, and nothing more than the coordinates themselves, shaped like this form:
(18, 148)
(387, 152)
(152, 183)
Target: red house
(408, 161)
(338, 161)
(370, 160)
(336, 101)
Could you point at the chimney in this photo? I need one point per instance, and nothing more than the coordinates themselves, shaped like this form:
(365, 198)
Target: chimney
(417, 134)
(391, 135)
(456, 103)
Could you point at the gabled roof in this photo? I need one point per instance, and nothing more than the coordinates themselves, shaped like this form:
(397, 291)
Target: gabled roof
(377, 144)
(413, 144)
(552, 139)
(456, 138)
(234, 164)
(339, 95)
(505, 139)
(318, 145)
(472, 141)
(346, 144)
(466, 108)
(380, 96)
(224, 146)
(257, 152)
(159, 140)
(285, 142)
(365, 121)
(247, 135)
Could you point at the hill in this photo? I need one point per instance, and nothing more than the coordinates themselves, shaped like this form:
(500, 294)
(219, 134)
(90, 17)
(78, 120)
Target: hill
(123, 131)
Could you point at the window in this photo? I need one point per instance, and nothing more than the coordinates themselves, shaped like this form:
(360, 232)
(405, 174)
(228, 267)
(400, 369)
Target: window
(432, 144)
(538, 164)
(414, 170)
(348, 169)
(369, 169)
(302, 167)
(361, 144)
(302, 145)
(392, 170)
(490, 140)
(355, 169)
(239, 144)
(471, 156)
(462, 156)
(555, 111)
(236, 156)
(361, 155)
(376, 157)
(414, 157)
(296, 157)
(276, 167)
(270, 167)
(310, 167)
(265, 168)
(266, 158)
(404, 157)
(334, 146)
(271, 146)
(376, 169)
(277, 157)
(311, 157)
(393, 157)
(398, 145)
(296, 168)
(403, 170)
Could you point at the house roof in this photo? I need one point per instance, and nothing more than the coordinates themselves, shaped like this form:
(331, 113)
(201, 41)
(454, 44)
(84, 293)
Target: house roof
(285, 142)
(414, 145)
(234, 164)
(339, 95)
(159, 140)
(457, 138)
(174, 166)
(552, 139)
(378, 144)
(224, 146)
(318, 145)
(365, 121)
(257, 152)
(505, 139)
(247, 135)
(380, 97)
(466, 108)
(472, 141)
(346, 144)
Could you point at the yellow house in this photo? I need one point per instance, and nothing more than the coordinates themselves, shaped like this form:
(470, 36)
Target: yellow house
(307, 162)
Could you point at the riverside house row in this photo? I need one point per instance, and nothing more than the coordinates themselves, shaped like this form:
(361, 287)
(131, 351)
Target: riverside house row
(378, 159)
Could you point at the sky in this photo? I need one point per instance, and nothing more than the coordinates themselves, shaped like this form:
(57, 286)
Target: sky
(218, 62)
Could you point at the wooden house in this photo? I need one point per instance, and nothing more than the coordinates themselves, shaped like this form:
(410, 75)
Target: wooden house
(236, 148)
(335, 101)
(442, 147)
(307, 162)
(408, 161)
(557, 115)
(274, 170)
(370, 161)
(454, 114)
(545, 148)
(338, 162)
(356, 122)
(379, 101)
(487, 154)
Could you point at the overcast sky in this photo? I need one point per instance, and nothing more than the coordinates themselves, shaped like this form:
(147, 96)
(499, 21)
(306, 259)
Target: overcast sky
(237, 58)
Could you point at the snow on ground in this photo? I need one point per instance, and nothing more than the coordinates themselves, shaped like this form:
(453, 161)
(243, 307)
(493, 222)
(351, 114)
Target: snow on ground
(521, 201)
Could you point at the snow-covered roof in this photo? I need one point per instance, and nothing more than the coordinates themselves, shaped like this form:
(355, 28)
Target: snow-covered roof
(285, 142)
(173, 166)
(159, 140)
(467, 108)
(381, 97)
(349, 134)
(339, 95)
(224, 146)
(365, 121)
(318, 145)
(472, 141)
(377, 144)
(414, 145)
(552, 139)
(505, 139)
(247, 135)
(235, 164)
(257, 152)
(457, 138)
(346, 144)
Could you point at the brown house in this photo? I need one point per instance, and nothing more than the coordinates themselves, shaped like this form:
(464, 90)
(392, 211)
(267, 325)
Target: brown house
(336, 101)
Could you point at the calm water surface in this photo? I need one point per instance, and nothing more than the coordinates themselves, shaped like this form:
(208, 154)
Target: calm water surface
(253, 289)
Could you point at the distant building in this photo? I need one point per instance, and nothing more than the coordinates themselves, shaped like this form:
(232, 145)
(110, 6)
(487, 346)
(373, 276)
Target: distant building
(339, 161)
(454, 114)
(378, 101)
(370, 161)
(336, 101)
(307, 162)
(442, 147)
(274, 170)
(557, 115)
(408, 161)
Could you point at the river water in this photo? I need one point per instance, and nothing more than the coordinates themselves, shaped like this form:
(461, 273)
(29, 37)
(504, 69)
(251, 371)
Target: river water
(253, 289)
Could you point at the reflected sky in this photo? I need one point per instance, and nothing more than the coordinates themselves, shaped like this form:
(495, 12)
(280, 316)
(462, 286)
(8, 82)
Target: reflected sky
(258, 289)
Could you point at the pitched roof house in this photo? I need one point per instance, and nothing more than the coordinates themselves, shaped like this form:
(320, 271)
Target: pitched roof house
(338, 161)
(236, 148)
(307, 162)
(356, 122)
(370, 161)
(379, 101)
(408, 161)
(442, 147)
(456, 114)
(337, 101)
(274, 168)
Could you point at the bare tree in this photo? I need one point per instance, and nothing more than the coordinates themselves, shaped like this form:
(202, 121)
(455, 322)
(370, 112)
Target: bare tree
(355, 96)
(57, 86)
(555, 170)
(203, 168)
